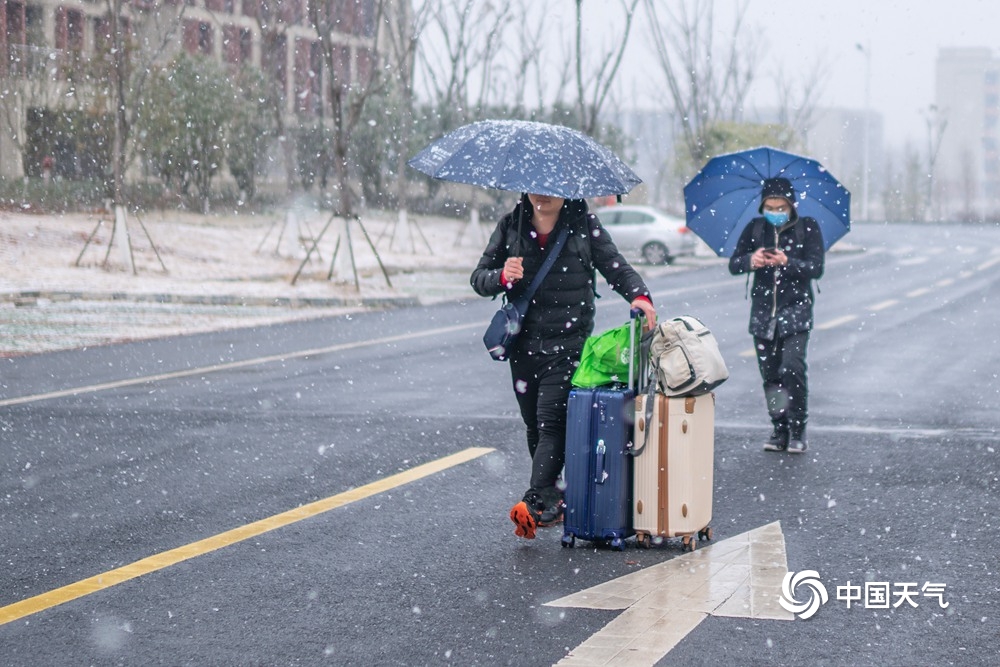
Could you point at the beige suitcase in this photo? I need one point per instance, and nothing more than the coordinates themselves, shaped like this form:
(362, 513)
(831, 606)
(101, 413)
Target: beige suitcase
(673, 483)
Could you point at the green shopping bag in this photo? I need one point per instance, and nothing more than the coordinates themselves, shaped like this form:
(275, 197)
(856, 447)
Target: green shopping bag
(604, 359)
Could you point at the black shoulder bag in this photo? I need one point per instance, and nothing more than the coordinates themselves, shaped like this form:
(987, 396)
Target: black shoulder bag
(503, 331)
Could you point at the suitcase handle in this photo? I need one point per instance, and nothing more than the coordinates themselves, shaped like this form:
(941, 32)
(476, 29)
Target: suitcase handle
(601, 473)
(635, 330)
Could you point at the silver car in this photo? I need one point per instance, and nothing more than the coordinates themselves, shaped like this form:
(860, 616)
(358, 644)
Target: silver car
(647, 232)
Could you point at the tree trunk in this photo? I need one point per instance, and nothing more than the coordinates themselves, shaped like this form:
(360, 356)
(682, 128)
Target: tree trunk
(118, 75)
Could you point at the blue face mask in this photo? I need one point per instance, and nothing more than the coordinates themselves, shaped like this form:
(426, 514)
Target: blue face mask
(775, 218)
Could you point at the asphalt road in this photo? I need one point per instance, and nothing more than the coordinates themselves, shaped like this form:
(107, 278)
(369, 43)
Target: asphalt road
(115, 454)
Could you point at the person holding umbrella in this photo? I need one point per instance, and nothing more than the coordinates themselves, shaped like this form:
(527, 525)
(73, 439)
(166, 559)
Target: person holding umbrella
(561, 167)
(775, 214)
(559, 319)
(785, 252)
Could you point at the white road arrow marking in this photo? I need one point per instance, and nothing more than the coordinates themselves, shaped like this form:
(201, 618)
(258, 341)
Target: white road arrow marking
(738, 577)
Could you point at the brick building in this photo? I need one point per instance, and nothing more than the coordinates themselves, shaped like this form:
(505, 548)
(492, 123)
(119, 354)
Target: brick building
(53, 50)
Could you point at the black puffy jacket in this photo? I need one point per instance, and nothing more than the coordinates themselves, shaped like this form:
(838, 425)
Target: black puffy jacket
(561, 314)
(782, 292)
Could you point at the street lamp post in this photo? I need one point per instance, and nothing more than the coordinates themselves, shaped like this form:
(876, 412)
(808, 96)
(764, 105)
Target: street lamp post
(866, 150)
(937, 121)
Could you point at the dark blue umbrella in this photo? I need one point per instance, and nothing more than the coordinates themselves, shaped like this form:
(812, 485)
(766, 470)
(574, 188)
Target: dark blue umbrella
(725, 195)
(524, 156)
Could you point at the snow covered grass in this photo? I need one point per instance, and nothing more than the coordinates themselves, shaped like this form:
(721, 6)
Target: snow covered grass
(221, 271)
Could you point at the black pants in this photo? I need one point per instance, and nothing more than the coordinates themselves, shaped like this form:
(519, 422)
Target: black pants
(542, 385)
(782, 364)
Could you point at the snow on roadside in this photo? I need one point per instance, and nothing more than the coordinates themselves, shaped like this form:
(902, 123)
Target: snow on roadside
(222, 271)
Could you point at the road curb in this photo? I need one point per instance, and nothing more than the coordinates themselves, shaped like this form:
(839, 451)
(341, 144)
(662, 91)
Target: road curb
(32, 297)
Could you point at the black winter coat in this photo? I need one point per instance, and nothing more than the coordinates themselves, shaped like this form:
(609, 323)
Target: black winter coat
(782, 292)
(561, 313)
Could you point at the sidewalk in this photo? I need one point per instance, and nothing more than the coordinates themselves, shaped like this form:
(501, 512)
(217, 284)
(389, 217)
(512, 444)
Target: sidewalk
(57, 291)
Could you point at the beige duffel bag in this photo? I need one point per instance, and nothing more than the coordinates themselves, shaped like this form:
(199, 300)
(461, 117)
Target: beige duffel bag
(684, 358)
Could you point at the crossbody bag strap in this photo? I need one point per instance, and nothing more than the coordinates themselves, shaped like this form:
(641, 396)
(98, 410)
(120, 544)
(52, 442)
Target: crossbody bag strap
(525, 299)
(648, 410)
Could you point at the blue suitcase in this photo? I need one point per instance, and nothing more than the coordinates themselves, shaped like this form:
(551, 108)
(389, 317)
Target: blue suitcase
(598, 472)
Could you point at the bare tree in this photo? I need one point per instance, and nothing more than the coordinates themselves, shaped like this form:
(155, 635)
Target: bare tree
(527, 64)
(592, 89)
(403, 28)
(902, 196)
(29, 88)
(112, 80)
(461, 77)
(127, 78)
(797, 98)
(464, 62)
(356, 73)
(892, 184)
(707, 82)
(271, 17)
(496, 55)
(969, 184)
(912, 184)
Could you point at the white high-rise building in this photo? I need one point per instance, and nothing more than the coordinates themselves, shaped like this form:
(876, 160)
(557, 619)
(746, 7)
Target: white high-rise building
(967, 97)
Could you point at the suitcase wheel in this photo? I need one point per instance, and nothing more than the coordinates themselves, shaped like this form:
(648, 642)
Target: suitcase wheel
(618, 544)
(689, 544)
(705, 533)
(643, 540)
(568, 541)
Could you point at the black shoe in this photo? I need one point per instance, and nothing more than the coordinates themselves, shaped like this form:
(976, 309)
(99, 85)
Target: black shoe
(778, 442)
(552, 514)
(797, 439)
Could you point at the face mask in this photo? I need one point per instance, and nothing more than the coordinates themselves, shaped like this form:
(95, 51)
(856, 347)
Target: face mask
(775, 218)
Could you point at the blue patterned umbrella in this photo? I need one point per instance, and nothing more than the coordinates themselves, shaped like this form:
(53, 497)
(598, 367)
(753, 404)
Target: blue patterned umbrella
(725, 195)
(525, 156)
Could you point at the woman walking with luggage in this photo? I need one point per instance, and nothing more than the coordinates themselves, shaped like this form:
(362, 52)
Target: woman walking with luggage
(559, 319)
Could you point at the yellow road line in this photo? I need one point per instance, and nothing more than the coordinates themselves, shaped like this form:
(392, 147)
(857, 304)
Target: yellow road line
(146, 379)
(163, 560)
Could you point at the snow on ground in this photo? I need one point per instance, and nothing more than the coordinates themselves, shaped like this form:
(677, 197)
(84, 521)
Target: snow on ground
(61, 286)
